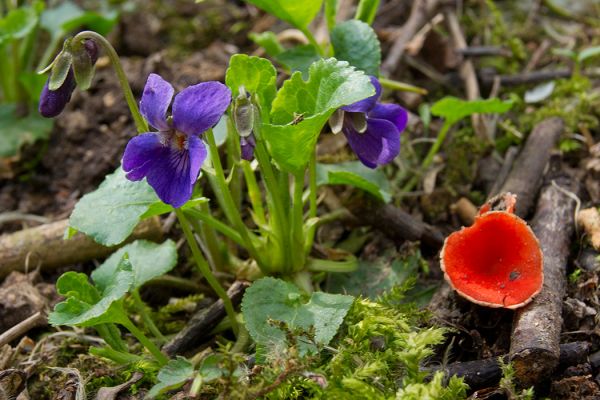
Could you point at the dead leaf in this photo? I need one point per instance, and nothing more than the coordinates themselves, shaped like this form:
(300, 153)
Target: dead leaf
(110, 393)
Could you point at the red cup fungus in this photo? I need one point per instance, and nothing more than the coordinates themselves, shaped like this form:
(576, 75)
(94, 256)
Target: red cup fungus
(496, 262)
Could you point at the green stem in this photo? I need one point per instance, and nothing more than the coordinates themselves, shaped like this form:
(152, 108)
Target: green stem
(209, 236)
(297, 232)
(429, 157)
(140, 122)
(111, 335)
(205, 270)
(312, 40)
(303, 280)
(254, 193)
(312, 198)
(215, 223)
(401, 86)
(147, 343)
(224, 195)
(141, 308)
(119, 357)
(243, 340)
(6, 76)
(319, 265)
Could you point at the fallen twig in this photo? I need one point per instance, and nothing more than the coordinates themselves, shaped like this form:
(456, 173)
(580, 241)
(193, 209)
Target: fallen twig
(525, 78)
(44, 246)
(534, 349)
(467, 73)
(484, 373)
(202, 322)
(35, 321)
(525, 177)
(419, 15)
(398, 224)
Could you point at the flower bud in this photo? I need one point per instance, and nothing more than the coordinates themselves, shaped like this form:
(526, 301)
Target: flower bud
(247, 145)
(243, 113)
(53, 102)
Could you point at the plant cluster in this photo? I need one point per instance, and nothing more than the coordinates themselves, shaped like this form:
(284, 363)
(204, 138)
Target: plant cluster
(254, 215)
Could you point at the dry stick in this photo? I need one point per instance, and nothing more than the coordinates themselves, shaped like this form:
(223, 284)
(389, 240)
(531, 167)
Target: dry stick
(467, 73)
(419, 15)
(484, 373)
(398, 224)
(35, 321)
(507, 164)
(202, 323)
(525, 78)
(526, 174)
(534, 348)
(44, 246)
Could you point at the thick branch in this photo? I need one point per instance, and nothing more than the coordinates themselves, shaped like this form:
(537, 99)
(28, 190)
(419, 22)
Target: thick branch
(44, 246)
(534, 348)
(202, 322)
(526, 174)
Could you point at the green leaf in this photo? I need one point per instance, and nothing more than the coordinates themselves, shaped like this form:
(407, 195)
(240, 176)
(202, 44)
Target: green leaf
(148, 261)
(84, 305)
(68, 17)
(354, 173)
(110, 213)
(302, 108)
(172, 376)
(298, 58)
(270, 299)
(453, 109)
(55, 18)
(590, 52)
(17, 132)
(18, 23)
(374, 277)
(257, 75)
(366, 11)
(294, 12)
(268, 41)
(356, 42)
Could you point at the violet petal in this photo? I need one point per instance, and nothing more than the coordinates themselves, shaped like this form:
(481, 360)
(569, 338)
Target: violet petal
(141, 153)
(391, 112)
(247, 145)
(175, 172)
(155, 101)
(199, 107)
(367, 104)
(378, 145)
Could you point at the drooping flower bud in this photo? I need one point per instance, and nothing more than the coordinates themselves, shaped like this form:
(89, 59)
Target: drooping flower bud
(53, 102)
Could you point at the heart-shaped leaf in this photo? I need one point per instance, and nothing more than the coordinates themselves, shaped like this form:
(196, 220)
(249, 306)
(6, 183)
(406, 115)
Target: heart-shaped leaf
(270, 299)
(148, 260)
(302, 108)
(85, 304)
(356, 42)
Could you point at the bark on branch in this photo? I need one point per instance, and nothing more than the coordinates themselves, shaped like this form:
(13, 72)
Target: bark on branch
(534, 348)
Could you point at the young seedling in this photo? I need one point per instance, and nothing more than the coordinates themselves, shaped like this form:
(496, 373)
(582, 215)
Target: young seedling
(496, 262)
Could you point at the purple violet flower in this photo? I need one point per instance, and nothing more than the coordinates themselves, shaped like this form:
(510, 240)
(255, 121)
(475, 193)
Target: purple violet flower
(171, 158)
(53, 102)
(373, 129)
